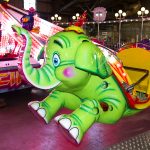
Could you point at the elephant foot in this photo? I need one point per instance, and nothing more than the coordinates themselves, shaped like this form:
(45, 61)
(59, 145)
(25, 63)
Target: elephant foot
(40, 110)
(71, 126)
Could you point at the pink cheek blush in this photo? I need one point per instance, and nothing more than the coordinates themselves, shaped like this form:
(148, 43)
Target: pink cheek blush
(69, 72)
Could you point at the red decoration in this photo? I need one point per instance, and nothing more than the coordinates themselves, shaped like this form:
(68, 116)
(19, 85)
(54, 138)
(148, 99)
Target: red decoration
(81, 19)
(31, 10)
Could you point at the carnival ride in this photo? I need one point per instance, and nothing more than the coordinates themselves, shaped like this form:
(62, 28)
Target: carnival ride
(99, 84)
(89, 79)
(135, 59)
(11, 44)
(131, 66)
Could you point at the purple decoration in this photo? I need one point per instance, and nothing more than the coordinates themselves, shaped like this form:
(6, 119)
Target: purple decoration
(145, 43)
(28, 20)
(99, 14)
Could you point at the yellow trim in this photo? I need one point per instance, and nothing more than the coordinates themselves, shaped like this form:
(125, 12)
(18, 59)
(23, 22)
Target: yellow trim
(137, 58)
(74, 28)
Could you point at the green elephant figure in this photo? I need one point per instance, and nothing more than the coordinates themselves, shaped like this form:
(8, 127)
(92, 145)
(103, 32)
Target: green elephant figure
(81, 80)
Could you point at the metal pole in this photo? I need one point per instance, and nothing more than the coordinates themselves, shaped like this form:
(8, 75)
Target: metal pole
(98, 29)
(119, 33)
(142, 28)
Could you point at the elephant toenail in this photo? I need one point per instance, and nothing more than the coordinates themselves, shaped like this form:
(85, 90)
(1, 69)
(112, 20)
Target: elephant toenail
(66, 123)
(42, 112)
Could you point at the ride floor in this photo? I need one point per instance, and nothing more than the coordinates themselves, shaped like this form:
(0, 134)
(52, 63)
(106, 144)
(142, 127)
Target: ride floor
(21, 130)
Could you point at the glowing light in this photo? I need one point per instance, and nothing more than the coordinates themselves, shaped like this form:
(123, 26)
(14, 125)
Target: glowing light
(116, 15)
(143, 9)
(118, 65)
(124, 74)
(52, 18)
(73, 17)
(124, 14)
(59, 18)
(120, 11)
(3, 51)
(56, 15)
(77, 14)
(146, 12)
(139, 13)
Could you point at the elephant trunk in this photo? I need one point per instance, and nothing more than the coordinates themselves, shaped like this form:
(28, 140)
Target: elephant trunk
(43, 77)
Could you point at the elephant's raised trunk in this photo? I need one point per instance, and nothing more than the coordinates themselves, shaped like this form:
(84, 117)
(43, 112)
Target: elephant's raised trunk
(43, 77)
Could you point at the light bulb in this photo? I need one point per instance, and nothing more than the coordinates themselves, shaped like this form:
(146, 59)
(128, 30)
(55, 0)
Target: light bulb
(146, 12)
(56, 15)
(143, 9)
(116, 15)
(73, 17)
(120, 11)
(77, 14)
(139, 13)
(124, 14)
(59, 18)
(52, 18)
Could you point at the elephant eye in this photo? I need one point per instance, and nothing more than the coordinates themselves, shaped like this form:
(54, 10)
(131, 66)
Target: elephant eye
(56, 60)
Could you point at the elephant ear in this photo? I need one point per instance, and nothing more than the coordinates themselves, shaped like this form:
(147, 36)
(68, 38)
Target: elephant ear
(89, 58)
